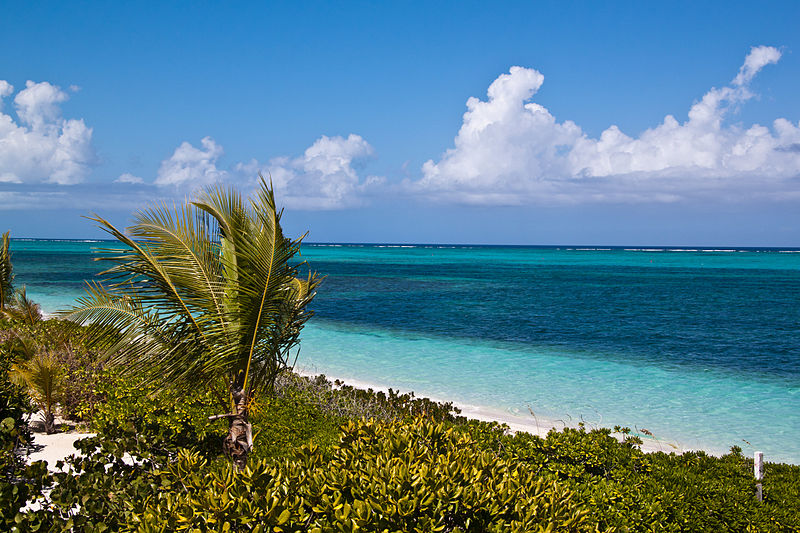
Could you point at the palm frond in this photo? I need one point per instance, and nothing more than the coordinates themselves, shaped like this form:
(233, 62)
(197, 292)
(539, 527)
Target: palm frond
(6, 273)
(139, 340)
(202, 292)
(187, 252)
(42, 375)
(150, 274)
(23, 308)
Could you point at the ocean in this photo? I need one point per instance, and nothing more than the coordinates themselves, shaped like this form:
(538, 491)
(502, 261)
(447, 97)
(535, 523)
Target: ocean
(700, 347)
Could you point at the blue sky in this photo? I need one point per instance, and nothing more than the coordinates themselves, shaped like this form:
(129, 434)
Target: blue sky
(461, 122)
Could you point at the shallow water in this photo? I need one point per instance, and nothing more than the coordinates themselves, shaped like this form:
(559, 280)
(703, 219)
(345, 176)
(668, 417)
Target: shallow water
(699, 347)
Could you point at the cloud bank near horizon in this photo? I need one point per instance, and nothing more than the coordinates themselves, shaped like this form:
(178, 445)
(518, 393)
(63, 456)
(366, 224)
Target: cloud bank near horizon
(510, 150)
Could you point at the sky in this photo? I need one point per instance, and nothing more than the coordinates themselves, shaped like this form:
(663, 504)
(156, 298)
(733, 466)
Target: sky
(540, 123)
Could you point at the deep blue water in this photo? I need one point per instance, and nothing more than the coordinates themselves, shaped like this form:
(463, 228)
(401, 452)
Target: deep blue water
(705, 310)
(703, 346)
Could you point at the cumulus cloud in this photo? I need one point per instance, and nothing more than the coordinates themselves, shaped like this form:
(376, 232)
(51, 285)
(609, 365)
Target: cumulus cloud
(512, 151)
(41, 146)
(324, 177)
(192, 167)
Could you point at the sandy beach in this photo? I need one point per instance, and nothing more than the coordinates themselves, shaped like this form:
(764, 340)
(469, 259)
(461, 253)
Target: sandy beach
(55, 447)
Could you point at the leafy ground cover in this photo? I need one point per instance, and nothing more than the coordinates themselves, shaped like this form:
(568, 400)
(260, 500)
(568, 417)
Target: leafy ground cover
(328, 457)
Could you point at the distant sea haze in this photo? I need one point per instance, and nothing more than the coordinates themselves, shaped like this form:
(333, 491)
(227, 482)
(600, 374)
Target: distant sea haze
(699, 346)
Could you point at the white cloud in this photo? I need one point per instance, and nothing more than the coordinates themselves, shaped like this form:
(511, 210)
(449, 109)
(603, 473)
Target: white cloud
(758, 58)
(512, 151)
(192, 167)
(129, 178)
(5, 90)
(324, 177)
(38, 104)
(42, 147)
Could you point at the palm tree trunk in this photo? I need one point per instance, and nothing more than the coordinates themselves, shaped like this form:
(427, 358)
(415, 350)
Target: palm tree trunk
(49, 422)
(239, 441)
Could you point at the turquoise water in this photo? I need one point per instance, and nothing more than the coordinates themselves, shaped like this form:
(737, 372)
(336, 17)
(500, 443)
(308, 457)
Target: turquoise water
(699, 346)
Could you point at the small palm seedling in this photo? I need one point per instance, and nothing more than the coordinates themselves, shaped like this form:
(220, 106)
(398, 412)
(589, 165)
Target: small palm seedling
(42, 375)
(23, 308)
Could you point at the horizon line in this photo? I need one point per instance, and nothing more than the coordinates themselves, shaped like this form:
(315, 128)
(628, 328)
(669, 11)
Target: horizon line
(573, 247)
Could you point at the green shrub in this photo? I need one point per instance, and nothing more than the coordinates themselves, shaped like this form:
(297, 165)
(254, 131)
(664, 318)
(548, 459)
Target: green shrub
(26, 484)
(134, 407)
(156, 467)
(67, 343)
(397, 476)
(301, 410)
(347, 402)
(14, 403)
(287, 422)
(382, 476)
(413, 475)
(100, 491)
(629, 490)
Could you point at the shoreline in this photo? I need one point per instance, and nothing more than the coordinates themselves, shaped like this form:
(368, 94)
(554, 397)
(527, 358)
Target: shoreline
(532, 424)
(529, 423)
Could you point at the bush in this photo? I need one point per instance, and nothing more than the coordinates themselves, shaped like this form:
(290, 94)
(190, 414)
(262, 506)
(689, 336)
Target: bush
(300, 410)
(286, 422)
(414, 475)
(14, 403)
(347, 402)
(395, 476)
(629, 490)
(134, 407)
(156, 467)
(100, 491)
(67, 343)
(25, 486)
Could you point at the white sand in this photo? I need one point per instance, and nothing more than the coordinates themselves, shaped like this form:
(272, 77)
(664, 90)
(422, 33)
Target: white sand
(55, 447)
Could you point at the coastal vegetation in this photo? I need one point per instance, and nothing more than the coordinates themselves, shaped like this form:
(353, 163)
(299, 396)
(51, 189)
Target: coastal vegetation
(398, 465)
(14, 303)
(6, 273)
(205, 295)
(201, 310)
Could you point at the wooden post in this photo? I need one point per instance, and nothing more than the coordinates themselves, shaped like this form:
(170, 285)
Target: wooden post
(758, 472)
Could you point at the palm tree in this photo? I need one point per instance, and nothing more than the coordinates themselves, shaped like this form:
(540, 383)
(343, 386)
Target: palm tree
(6, 274)
(205, 294)
(43, 375)
(23, 308)
(14, 304)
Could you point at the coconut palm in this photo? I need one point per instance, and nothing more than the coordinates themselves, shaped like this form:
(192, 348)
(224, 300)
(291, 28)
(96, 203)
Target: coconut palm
(204, 294)
(6, 274)
(14, 304)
